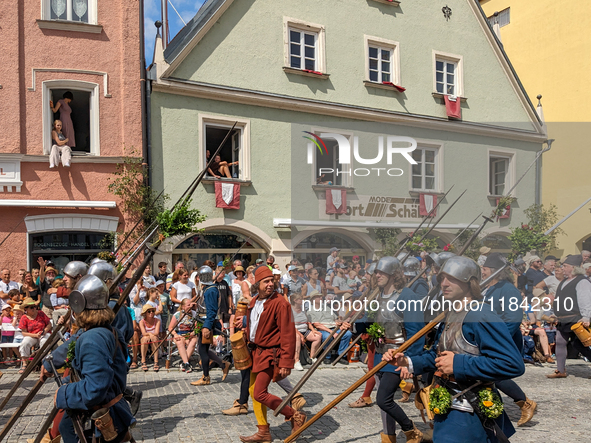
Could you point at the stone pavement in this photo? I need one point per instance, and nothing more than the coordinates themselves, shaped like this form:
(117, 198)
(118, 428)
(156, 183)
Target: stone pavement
(173, 411)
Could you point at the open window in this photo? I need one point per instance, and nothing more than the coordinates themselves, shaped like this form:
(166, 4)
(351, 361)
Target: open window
(84, 114)
(234, 151)
(327, 167)
(500, 173)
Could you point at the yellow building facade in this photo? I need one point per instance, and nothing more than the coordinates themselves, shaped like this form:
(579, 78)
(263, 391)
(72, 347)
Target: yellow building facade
(548, 44)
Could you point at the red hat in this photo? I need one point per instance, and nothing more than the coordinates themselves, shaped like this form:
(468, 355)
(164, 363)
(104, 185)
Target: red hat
(355, 257)
(261, 273)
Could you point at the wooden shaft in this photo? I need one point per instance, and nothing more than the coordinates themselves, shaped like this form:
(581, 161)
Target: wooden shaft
(39, 355)
(169, 333)
(325, 342)
(21, 409)
(318, 362)
(46, 425)
(476, 234)
(419, 275)
(353, 343)
(363, 379)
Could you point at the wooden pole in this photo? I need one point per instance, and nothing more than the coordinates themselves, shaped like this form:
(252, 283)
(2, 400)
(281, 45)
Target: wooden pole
(366, 377)
(353, 343)
(21, 409)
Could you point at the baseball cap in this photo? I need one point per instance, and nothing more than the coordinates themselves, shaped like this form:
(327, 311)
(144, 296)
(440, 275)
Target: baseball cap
(158, 283)
(292, 268)
(221, 263)
(258, 260)
(355, 257)
(550, 257)
(334, 249)
(370, 261)
(276, 271)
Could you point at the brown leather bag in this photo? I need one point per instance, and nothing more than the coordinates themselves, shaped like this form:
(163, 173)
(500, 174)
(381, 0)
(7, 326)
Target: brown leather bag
(422, 403)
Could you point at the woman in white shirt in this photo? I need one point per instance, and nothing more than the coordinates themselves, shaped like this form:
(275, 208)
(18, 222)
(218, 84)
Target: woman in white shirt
(305, 330)
(183, 289)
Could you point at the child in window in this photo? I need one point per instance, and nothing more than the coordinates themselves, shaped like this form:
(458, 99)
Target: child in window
(60, 146)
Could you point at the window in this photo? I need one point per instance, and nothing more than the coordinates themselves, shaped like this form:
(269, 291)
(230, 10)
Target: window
(302, 49)
(84, 116)
(445, 72)
(382, 60)
(424, 173)
(499, 169)
(448, 78)
(304, 46)
(503, 19)
(327, 168)
(81, 11)
(235, 148)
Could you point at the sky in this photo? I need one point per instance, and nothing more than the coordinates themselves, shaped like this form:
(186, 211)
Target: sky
(186, 8)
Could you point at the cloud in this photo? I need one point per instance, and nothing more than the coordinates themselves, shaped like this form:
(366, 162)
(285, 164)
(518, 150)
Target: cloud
(187, 10)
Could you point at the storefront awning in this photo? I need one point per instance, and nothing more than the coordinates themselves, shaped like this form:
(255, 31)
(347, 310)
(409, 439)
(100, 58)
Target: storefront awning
(288, 223)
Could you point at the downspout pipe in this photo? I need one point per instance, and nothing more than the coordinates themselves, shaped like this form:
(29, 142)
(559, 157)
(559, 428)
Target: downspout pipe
(145, 159)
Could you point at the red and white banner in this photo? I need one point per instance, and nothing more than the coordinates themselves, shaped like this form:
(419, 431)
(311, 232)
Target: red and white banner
(426, 204)
(336, 201)
(453, 106)
(227, 195)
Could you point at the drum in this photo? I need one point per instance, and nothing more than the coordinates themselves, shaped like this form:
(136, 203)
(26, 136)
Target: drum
(583, 334)
(242, 308)
(240, 352)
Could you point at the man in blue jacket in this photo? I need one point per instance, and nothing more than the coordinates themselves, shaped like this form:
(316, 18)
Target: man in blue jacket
(473, 350)
(100, 364)
(505, 300)
(400, 315)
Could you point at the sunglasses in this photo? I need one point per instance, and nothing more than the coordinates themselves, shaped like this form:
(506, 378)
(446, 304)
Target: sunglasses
(150, 311)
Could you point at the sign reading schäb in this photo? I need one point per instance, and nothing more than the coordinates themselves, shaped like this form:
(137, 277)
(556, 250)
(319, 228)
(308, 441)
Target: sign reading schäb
(375, 208)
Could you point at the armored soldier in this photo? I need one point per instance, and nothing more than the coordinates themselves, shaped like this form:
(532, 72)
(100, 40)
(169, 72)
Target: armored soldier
(400, 316)
(102, 380)
(412, 266)
(499, 295)
(473, 350)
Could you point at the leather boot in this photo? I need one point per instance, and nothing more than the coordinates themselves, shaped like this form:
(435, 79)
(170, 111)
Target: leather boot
(361, 402)
(557, 374)
(414, 435)
(297, 421)
(47, 439)
(388, 438)
(226, 370)
(203, 381)
(408, 387)
(298, 402)
(262, 436)
(236, 409)
(528, 409)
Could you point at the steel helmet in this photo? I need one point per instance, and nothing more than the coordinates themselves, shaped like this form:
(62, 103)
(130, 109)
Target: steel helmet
(388, 265)
(372, 268)
(433, 259)
(412, 265)
(444, 256)
(76, 269)
(97, 260)
(205, 275)
(461, 268)
(90, 293)
(103, 270)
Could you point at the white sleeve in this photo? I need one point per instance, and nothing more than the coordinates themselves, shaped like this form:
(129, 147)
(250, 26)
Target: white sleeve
(584, 298)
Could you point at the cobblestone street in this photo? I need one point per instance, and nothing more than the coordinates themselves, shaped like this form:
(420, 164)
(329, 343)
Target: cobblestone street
(174, 411)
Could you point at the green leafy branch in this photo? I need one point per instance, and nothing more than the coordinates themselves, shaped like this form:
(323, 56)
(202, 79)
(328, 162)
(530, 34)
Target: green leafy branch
(180, 221)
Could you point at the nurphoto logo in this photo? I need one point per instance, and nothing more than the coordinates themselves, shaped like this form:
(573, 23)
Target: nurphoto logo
(343, 149)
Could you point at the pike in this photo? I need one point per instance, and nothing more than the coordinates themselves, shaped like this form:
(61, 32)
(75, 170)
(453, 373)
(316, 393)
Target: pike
(53, 339)
(353, 343)
(465, 229)
(432, 211)
(325, 342)
(14, 229)
(549, 231)
(434, 224)
(318, 362)
(366, 377)
(407, 344)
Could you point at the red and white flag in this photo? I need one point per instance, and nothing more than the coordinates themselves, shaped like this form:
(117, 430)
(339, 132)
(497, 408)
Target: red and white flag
(227, 195)
(336, 201)
(426, 204)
